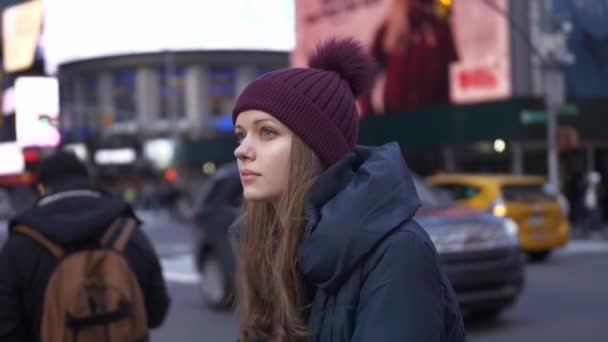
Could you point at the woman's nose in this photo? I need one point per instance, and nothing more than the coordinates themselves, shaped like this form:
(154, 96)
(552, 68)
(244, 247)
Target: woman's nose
(245, 150)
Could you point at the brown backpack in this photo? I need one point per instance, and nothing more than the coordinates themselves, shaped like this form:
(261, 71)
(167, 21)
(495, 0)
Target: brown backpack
(92, 295)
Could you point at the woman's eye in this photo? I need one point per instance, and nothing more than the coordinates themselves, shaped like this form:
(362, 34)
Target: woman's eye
(267, 132)
(240, 136)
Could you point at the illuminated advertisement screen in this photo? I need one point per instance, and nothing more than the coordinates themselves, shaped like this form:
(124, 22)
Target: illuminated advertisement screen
(78, 30)
(37, 111)
(21, 26)
(426, 51)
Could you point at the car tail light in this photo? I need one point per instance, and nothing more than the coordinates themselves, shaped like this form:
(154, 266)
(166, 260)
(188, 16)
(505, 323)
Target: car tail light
(31, 156)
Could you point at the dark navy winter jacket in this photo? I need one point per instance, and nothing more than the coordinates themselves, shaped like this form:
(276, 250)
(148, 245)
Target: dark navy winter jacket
(373, 271)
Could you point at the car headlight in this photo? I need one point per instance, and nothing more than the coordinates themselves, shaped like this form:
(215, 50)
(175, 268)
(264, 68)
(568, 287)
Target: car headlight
(511, 227)
(498, 207)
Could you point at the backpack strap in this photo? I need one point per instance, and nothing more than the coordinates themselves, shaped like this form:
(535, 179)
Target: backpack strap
(52, 247)
(125, 234)
(111, 231)
(118, 234)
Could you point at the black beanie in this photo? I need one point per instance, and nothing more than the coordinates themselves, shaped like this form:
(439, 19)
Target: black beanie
(61, 167)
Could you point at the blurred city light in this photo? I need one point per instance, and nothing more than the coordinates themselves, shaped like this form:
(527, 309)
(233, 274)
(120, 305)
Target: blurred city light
(115, 156)
(512, 227)
(160, 152)
(500, 145)
(31, 155)
(500, 210)
(79, 150)
(209, 168)
(170, 174)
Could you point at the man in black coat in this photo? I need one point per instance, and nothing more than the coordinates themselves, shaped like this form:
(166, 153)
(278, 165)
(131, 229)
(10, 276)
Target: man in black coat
(72, 213)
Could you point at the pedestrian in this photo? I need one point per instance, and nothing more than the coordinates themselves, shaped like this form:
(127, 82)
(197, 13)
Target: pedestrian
(575, 191)
(593, 198)
(328, 249)
(76, 263)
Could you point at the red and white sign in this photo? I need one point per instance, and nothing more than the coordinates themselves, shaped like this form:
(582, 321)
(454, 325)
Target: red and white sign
(479, 82)
(483, 71)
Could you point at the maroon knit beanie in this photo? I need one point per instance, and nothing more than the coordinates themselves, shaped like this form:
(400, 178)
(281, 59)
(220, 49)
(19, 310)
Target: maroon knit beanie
(317, 103)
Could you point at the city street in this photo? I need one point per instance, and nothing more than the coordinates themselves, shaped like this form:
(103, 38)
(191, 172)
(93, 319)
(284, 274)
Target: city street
(564, 299)
(487, 115)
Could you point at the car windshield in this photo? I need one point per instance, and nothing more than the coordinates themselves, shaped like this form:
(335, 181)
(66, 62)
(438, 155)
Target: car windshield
(430, 197)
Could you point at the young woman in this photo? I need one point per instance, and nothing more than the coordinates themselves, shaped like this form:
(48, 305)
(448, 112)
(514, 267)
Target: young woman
(328, 249)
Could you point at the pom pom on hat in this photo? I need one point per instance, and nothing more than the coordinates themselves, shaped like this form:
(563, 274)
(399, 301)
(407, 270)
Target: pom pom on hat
(348, 59)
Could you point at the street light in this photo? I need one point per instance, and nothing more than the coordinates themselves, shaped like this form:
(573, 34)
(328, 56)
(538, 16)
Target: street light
(500, 145)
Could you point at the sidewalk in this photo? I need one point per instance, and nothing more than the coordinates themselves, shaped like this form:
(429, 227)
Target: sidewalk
(577, 233)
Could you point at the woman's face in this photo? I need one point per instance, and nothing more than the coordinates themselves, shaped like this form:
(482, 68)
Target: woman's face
(263, 155)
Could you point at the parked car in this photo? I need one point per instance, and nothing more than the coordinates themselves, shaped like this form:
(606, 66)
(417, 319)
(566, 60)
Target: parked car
(479, 252)
(540, 212)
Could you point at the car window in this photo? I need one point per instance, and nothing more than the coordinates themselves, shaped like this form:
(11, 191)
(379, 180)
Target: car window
(431, 198)
(460, 191)
(526, 193)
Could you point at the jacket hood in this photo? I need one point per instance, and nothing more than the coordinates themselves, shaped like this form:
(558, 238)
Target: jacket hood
(352, 207)
(73, 214)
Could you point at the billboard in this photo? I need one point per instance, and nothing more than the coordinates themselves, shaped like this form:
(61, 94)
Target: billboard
(37, 111)
(78, 30)
(426, 51)
(21, 25)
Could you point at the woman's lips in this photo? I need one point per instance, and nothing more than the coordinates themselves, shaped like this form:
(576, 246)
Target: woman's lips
(248, 175)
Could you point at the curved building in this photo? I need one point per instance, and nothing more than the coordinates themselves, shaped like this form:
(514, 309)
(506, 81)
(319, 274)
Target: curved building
(150, 70)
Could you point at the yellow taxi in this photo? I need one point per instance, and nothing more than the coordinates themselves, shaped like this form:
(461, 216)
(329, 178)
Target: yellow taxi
(540, 215)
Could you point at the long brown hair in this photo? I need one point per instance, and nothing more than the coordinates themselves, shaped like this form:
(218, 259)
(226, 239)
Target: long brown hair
(272, 297)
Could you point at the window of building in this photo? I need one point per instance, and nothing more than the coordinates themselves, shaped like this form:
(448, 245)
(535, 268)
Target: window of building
(90, 111)
(172, 93)
(66, 105)
(123, 92)
(221, 91)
